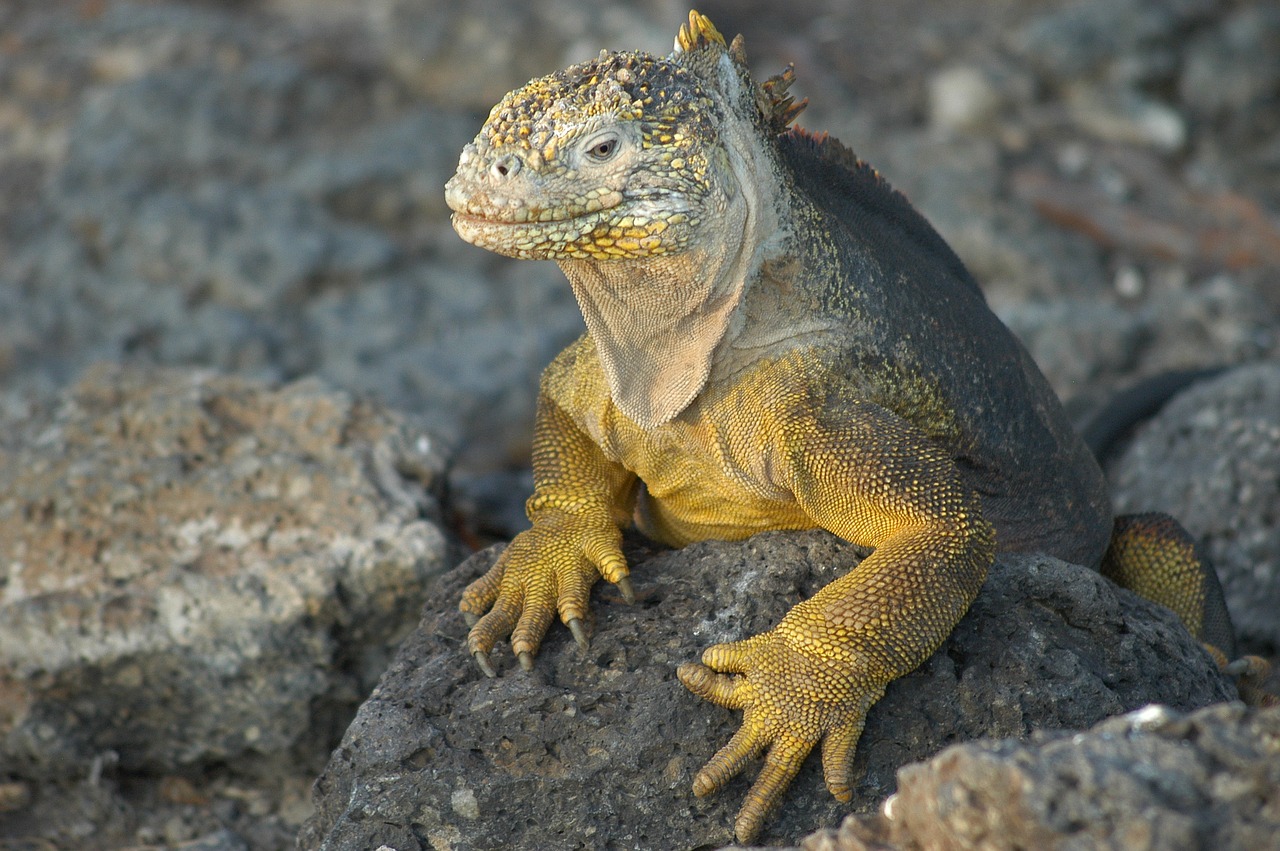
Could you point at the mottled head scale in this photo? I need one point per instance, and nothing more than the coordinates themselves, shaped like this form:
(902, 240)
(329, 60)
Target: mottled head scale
(615, 157)
(658, 94)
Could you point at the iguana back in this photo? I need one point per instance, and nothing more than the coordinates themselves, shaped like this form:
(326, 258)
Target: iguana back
(923, 343)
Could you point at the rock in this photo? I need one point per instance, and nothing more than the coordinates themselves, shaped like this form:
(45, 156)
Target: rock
(601, 748)
(1014, 257)
(474, 53)
(1217, 447)
(1125, 116)
(1234, 68)
(1151, 779)
(962, 98)
(194, 568)
(1078, 343)
(389, 174)
(1127, 42)
(1090, 349)
(285, 217)
(453, 344)
(1223, 319)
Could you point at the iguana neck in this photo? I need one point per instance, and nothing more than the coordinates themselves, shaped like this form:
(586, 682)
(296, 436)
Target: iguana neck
(655, 326)
(658, 322)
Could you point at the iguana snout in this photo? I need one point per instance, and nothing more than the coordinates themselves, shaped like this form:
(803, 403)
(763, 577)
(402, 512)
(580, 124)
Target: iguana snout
(544, 203)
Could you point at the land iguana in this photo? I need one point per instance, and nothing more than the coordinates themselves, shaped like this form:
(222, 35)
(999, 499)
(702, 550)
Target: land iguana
(775, 339)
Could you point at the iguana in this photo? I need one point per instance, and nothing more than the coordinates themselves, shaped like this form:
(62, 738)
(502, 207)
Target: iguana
(775, 339)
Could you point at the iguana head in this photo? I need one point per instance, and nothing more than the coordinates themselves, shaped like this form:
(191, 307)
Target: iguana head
(653, 182)
(622, 156)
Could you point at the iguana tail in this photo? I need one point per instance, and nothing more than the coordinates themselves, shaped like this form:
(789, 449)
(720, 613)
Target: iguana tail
(1106, 429)
(1155, 557)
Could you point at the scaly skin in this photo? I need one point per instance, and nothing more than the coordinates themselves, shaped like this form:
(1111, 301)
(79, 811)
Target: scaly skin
(776, 340)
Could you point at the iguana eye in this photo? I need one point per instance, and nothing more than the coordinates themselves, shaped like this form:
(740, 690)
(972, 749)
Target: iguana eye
(602, 149)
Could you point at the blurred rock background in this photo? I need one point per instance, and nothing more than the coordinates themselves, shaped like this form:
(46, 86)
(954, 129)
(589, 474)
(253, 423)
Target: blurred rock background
(242, 200)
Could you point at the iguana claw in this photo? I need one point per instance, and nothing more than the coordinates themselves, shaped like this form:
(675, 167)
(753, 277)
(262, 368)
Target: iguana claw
(624, 587)
(579, 633)
(1245, 666)
(482, 659)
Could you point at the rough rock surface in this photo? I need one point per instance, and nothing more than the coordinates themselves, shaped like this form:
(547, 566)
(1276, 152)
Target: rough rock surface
(1153, 779)
(197, 568)
(599, 750)
(1217, 446)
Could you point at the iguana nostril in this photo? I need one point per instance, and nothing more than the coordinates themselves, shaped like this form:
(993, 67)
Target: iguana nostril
(505, 166)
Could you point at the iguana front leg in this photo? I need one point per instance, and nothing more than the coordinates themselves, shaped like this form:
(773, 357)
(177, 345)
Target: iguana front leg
(579, 500)
(875, 480)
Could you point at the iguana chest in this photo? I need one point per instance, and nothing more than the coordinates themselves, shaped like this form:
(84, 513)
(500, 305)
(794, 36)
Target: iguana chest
(711, 473)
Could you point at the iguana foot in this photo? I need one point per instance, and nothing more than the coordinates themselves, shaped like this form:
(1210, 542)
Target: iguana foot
(791, 700)
(1252, 675)
(546, 570)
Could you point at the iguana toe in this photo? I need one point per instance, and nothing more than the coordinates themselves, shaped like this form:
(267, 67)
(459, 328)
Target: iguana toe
(780, 767)
(1252, 675)
(481, 594)
(744, 746)
(1247, 666)
(837, 757)
(716, 688)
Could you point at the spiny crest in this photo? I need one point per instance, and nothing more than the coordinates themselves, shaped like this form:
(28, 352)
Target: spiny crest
(697, 33)
(780, 108)
(658, 93)
(700, 43)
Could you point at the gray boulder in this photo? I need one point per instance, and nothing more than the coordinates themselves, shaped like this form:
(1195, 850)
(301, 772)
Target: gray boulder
(1154, 779)
(1217, 447)
(599, 749)
(191, 566)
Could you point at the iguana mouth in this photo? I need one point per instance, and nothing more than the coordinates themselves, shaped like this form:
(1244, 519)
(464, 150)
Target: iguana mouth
(579, 224)
(483, 203)
(531, 220)
(628, 227)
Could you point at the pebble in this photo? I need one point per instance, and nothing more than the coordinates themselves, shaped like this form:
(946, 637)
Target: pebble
(962, 99)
